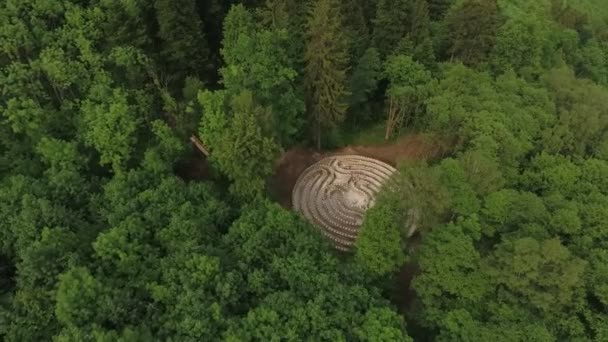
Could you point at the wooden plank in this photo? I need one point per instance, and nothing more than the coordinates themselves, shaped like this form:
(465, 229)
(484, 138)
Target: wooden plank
(199, 145)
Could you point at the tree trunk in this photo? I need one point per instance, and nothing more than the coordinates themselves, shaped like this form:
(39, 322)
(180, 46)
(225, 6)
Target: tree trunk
(199, 145)
(318, 135)
(389, 120)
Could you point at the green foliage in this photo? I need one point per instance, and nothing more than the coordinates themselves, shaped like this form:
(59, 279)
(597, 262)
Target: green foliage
(363, 83)
(421, 34)
(111, 127)
(77, 297)
(259, 60)
(239, 146)
(534, 274)
(582, 114)
(380, 245)
(410, 85)
(184, 47)
(150, 254)
(481, 171)
(357, 26)
(381, 325)
(412, 201)
(250, 154)
(500, 118)
(593, 61)
(101, 241)
(288, 16)
(462, 193)
(521, 44)
(540, 274)
(450, 277)
(438, 8)
(472, 28)
(391, 24)
(326, 61)
(296, 288)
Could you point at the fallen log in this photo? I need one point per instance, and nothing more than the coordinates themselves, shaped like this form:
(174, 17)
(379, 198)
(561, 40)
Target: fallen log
(199, 145)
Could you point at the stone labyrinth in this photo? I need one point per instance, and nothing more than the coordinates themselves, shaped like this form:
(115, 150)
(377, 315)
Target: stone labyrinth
(335, 193)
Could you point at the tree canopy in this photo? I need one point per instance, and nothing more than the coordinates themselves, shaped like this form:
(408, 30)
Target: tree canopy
(113, 228)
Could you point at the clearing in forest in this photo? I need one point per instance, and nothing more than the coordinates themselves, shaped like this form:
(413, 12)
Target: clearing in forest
(335, 193)
(292, 163)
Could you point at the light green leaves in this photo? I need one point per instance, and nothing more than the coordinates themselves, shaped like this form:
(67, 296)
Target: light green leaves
(111, 128)
(238, 142)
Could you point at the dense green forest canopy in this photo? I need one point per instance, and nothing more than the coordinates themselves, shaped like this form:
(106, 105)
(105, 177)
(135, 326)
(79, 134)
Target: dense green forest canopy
(105, 237)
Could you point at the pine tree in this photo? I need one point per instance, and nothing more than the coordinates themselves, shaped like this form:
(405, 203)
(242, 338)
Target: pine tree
(421, 33)
(363, 83)
(275, 14)
(288, 16)
(438, 8)
(391, 25)
(326, 59)
(184, 47)
(472, 30)
(356, 27)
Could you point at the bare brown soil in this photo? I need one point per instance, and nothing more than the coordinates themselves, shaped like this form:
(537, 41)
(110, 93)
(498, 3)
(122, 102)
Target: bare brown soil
(293, 162)
(409, 147)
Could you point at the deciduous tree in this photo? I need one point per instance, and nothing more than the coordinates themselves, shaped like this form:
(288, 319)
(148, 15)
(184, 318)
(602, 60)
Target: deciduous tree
(238, 142)
(409, 87)
(259, 60)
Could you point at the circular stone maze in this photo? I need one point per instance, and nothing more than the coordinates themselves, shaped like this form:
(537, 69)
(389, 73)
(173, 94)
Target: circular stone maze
(335, 193)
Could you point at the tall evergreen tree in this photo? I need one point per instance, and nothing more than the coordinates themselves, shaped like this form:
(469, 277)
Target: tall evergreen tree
(356, 27)
(184, 47)
(363, 83)
(391, 24)
(326, 60)
(421, 33)
(472, 30)
(438, 8)
(281, 14)
(289, 18)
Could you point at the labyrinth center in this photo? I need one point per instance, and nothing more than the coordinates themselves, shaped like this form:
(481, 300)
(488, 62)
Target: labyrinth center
(335, 193)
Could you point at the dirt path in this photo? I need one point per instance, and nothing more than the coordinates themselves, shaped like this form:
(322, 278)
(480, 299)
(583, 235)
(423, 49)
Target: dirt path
(293, 162)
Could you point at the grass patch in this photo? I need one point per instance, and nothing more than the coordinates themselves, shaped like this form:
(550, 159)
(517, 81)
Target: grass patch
(370, 135)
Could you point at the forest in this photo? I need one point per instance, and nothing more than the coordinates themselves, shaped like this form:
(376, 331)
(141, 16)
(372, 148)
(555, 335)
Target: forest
(114, 227)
